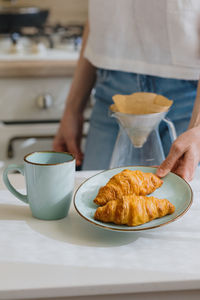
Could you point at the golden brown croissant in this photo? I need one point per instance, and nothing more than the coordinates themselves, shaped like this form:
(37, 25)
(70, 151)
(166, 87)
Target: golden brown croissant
(128, 182)
(134, 210)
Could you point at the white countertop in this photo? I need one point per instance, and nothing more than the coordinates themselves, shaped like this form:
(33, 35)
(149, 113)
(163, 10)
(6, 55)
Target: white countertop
(71, 257)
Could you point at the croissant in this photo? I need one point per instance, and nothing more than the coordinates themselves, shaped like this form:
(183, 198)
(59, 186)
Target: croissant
(134, 210)
(128, 182)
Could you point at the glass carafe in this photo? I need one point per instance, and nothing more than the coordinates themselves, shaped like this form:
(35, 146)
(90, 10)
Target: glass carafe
(138, 141)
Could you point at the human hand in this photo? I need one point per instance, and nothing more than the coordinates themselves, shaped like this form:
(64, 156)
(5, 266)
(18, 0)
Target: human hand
(68, 137)
(184, 155)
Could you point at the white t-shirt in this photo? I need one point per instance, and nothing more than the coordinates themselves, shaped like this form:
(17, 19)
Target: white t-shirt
(154, 37)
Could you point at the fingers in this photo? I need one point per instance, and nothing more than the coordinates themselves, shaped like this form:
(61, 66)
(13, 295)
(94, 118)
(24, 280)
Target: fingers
(181, 160)
(74, 148)
(69, 135)
(187, 165)
(168, 164)
(59, 145)
(64, 143)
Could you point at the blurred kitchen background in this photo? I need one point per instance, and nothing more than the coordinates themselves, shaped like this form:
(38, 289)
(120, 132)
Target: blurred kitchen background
(39, 47)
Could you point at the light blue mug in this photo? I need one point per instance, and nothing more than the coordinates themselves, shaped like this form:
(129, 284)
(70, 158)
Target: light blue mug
(50, 178)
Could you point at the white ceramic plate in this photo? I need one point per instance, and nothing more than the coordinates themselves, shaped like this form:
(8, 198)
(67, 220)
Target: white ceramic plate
(174, 188)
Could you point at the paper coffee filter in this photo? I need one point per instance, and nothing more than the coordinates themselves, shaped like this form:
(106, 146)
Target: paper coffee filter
(141, 103)
(139, 114)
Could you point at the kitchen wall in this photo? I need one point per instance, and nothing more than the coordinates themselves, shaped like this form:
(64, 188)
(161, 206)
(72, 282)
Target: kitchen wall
(61, 11)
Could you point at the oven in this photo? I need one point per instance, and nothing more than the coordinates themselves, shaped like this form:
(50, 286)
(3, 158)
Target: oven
(35, 76)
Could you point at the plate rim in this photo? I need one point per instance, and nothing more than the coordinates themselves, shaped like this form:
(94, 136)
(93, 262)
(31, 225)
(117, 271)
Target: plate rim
(131, 228)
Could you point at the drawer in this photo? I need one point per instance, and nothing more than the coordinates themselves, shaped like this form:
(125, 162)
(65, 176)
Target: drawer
(33, 99)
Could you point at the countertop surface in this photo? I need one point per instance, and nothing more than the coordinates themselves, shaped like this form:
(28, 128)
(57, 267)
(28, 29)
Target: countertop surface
(48, 63)
(73, 258)
(35, 69)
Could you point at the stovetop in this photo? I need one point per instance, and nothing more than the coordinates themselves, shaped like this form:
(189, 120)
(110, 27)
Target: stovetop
(50, 42)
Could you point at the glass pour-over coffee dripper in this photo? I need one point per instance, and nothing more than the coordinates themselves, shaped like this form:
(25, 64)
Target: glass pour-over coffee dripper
(138, 141)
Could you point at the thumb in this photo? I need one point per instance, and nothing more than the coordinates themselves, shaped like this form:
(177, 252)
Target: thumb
(168, 164)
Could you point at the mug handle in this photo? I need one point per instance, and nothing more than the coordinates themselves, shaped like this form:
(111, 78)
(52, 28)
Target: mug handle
(10, 187)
